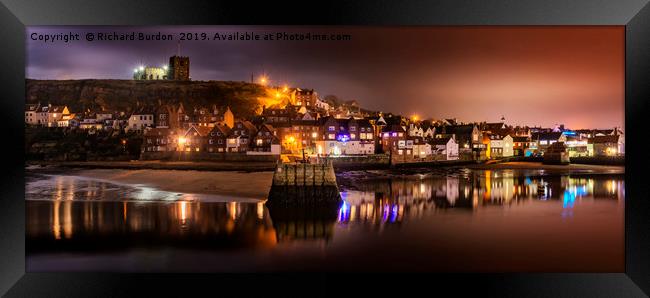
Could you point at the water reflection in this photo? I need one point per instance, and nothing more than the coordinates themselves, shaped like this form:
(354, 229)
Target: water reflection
(66, 214)
(396, 199)
(89, 225)
(85, 208)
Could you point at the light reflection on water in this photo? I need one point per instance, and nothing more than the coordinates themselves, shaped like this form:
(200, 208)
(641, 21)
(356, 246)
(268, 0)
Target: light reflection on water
(386, 200)
(74, 214)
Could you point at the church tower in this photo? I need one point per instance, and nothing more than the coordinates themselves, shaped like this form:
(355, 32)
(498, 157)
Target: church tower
(179, 68)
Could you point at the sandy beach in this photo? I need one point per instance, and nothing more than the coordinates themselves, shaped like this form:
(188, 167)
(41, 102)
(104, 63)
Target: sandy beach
(239, 184)
(250, 166)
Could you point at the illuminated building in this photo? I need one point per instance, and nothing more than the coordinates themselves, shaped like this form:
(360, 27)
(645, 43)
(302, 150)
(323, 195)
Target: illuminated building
(345, 137)
(610, 145)
(178, 69)
(446, 146)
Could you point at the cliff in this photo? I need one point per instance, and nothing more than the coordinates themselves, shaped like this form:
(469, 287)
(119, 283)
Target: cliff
(79, 95)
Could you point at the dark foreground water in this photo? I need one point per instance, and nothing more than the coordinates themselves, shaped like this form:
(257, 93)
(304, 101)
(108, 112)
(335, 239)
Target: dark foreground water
(459, 220)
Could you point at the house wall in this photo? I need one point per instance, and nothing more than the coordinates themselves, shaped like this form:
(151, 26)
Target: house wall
(34, 118)
(601, 149)
(139, 122)
(501, 148)
(508, 147)
(421, 150)
(452, 150)
(53, 118)
(344, 148)
(274, 150)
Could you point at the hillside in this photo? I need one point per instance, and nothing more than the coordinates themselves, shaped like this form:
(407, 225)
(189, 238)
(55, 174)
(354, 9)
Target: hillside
(124, 95)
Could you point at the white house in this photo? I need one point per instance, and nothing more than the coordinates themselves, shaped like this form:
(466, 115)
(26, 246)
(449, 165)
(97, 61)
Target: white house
(500, 145)
(91, 123)
(608, 145)
(33, 114)
(67, 120)
(415, 131)
(446, 146)
(139, 121)
(323, 105)
(421, 149)
(50, 115)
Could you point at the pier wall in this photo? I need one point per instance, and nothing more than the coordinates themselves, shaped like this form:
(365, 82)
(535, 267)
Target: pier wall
(304, 174)
(303, 185)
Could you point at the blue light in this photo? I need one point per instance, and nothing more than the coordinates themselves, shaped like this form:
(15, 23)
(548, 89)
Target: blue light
(344, 212)
(569, 199)
(343, 138)
(394, 213)
(581, 191)
(570, 133)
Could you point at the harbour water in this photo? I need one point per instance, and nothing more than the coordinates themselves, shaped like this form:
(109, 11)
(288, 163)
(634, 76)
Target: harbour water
(456, 220)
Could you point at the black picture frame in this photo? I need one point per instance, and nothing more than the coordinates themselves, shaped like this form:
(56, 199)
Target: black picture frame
(633, 14)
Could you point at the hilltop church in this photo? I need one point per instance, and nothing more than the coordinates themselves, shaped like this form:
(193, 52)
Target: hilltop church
(178, 69)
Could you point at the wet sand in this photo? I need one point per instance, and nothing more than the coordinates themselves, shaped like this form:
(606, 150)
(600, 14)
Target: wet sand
(248, 166)
(239, 184)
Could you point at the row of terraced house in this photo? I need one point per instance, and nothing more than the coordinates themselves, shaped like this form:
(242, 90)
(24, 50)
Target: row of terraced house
(301, 131)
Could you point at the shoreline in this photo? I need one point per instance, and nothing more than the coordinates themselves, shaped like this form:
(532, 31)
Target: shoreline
(261, 166)
(239, 185)
(162, 165)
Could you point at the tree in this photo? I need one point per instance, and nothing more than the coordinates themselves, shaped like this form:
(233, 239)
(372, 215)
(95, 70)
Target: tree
(332, 100)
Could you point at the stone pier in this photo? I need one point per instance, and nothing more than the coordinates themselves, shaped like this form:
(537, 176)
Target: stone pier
(304, 184)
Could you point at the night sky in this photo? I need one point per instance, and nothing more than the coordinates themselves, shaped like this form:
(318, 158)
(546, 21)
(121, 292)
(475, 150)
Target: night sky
(531, 75)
